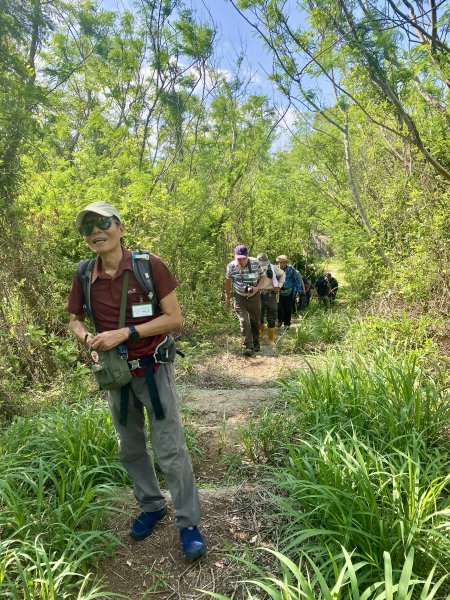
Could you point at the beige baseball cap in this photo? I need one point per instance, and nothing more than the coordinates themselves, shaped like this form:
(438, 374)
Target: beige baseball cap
(105, 209)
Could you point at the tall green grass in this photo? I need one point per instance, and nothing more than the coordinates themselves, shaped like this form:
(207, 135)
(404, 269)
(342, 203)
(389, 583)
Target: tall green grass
(361, 458)
(317, 327)
(339, 491)
(383, 398)
(60, 478)
(401, 331)
(386, 397)
(304, 581)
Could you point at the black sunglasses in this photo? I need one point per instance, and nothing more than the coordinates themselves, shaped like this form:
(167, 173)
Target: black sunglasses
(103, 223)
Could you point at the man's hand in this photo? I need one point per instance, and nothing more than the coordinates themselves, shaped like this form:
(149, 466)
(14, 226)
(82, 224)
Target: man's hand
(109, 339)
(276, 290)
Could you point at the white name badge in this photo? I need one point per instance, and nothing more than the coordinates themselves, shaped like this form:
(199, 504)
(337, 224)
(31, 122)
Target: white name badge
(142, 310)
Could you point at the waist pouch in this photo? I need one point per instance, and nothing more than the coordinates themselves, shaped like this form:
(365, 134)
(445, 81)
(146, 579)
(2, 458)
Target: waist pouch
(110, 369)
(165, 351)
(286, 291)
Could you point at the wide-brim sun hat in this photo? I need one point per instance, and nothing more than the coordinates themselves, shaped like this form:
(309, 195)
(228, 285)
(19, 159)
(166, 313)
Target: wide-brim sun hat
(105, 209)
(263, 258)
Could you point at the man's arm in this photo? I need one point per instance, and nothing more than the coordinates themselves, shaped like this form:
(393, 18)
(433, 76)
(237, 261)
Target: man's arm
(170, 320)
(227, 292)
(261, 282)
(78, 327)
(297, 286)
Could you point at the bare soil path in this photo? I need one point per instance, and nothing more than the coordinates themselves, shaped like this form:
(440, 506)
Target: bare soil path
(222, 394)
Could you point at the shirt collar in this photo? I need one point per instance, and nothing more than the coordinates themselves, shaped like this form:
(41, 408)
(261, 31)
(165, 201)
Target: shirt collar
(124, 264)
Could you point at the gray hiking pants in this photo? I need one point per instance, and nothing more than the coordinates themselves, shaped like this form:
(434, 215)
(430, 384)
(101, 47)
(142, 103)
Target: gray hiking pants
(269, 307)
(249, 311)
(168, 444)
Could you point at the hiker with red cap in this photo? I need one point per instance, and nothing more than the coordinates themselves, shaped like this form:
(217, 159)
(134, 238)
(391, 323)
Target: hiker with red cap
(247, 277)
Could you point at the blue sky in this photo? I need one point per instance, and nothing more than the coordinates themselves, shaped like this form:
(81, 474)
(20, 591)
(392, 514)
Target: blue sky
(235, 36)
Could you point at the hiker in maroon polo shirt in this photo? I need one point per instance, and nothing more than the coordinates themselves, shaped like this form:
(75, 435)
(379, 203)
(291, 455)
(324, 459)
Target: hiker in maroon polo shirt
(102, 229)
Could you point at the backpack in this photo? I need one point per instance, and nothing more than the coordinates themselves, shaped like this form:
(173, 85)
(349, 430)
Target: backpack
(333, 283)
(142, 269)
(321, 285)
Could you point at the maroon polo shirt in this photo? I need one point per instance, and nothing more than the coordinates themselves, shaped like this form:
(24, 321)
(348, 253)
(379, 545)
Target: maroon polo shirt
(106, 293)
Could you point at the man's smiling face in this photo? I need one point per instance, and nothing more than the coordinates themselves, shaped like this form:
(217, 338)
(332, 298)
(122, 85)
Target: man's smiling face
(242, 261)
(105, 235)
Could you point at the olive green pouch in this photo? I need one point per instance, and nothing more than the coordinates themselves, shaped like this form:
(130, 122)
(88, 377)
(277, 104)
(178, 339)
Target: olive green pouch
(110, 367)
(111, 370)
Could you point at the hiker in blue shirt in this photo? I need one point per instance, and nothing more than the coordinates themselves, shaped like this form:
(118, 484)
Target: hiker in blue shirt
(291, 288)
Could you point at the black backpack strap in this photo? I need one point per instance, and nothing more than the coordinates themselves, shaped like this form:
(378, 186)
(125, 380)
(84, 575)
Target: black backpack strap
(142, 267)
(84, 272)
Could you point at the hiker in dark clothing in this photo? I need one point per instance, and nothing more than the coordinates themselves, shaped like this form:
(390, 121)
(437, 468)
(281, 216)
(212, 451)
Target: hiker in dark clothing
(309, 287)
(304, 299)
(297, 300)
(290, 289)
(323, 289)
(333, 287)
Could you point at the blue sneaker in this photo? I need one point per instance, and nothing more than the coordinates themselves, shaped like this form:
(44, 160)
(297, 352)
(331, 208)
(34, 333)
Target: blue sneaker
(143, 524)
(192, 543)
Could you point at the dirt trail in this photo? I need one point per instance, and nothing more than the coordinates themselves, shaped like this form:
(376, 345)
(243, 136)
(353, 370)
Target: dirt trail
(229, 389)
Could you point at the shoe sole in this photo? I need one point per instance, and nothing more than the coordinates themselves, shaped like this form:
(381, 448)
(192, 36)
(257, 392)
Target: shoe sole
(137, 537)
(195, 555)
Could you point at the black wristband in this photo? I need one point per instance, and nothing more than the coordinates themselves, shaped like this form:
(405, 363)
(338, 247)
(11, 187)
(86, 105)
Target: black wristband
(86, 337)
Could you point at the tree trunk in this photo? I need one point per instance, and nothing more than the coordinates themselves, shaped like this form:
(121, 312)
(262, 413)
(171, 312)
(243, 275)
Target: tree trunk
(357, 199)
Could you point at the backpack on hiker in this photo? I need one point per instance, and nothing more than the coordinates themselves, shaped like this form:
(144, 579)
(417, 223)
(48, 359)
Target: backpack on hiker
(321, 286)
(142, 269)
(110, 367)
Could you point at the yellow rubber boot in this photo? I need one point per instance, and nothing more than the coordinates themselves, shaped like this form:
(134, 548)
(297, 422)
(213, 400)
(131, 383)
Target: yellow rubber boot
(271, 332)
(262, 328)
